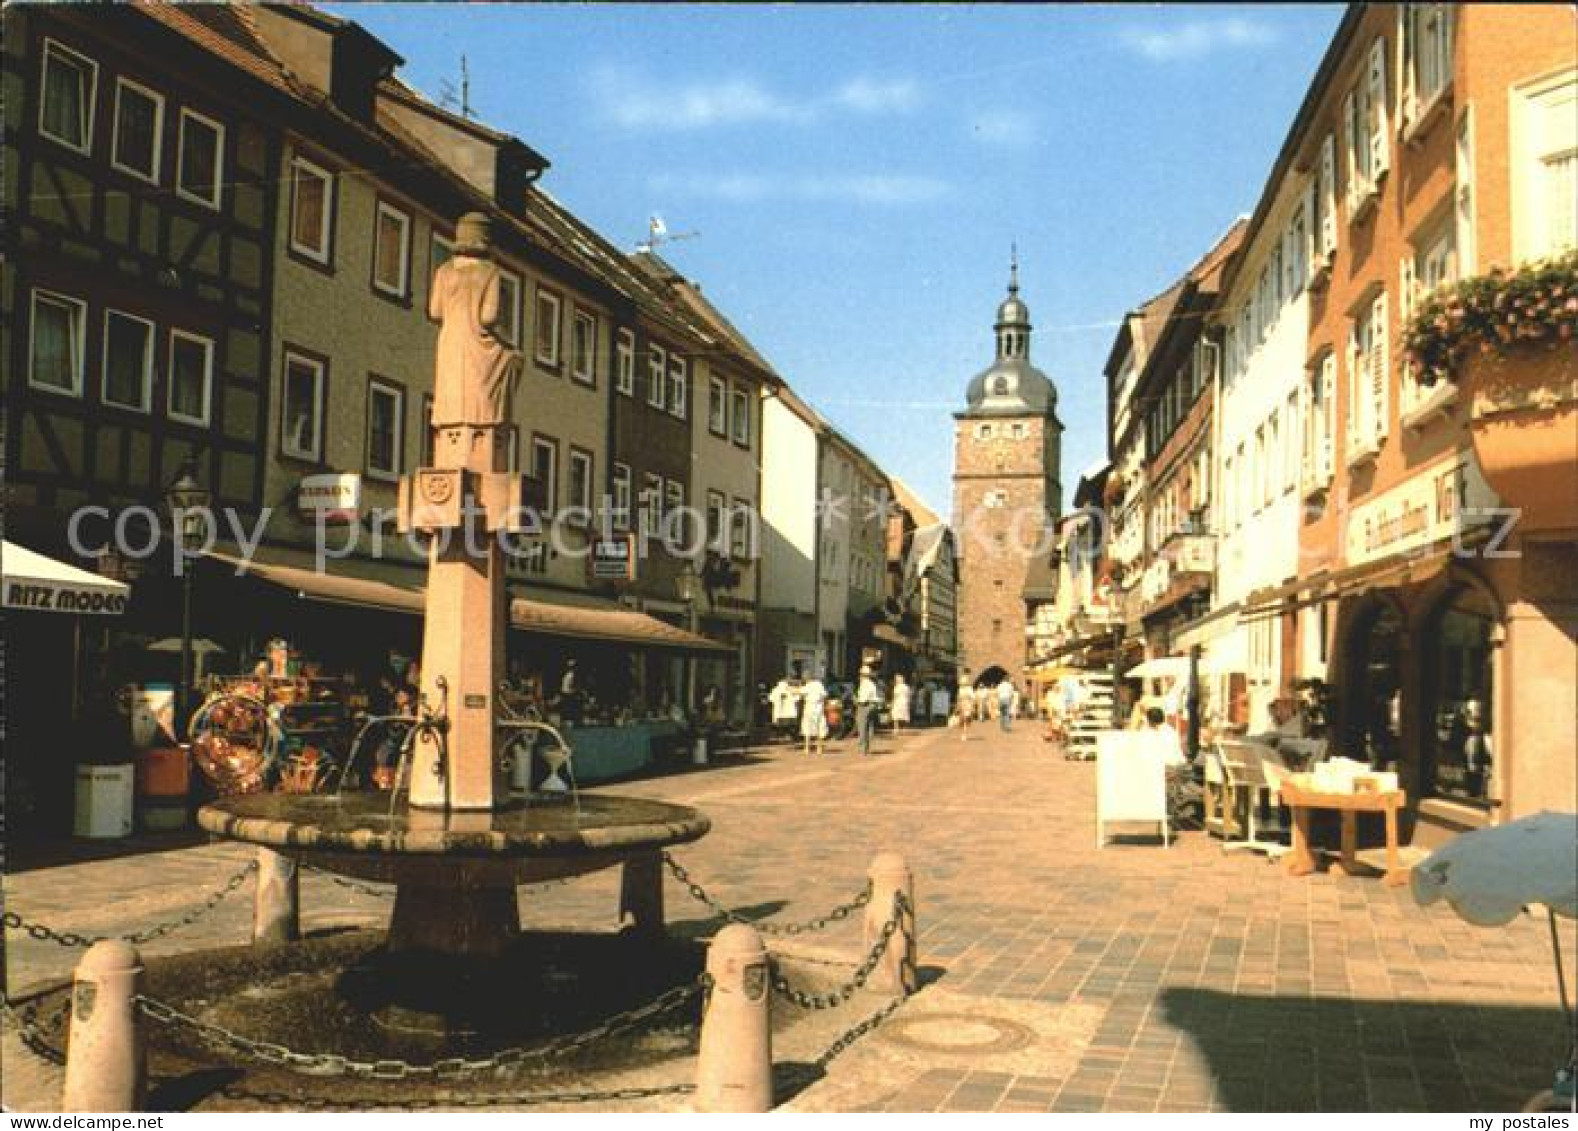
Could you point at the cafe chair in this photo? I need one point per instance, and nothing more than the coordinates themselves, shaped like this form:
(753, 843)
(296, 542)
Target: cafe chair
(1244, 777)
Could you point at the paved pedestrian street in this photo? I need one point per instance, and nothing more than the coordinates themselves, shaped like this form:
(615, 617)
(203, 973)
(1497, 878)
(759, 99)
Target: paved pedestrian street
(1055, 976)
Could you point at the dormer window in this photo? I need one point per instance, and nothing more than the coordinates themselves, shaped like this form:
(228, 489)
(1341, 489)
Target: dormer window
(1000, 387)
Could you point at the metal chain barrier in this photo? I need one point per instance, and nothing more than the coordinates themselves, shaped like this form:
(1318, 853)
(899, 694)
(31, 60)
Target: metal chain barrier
(862, 973)
(34, 1039)
(469, 1099)
(849, 1036)
(39, 931)
(820, 922)
(334, 1064)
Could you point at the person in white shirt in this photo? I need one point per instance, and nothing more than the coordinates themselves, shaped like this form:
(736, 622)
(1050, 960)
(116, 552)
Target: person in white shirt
(813, 713)
(966, 708)
(785, 708)
(1005, 702)
(867, 700)
(901, 702)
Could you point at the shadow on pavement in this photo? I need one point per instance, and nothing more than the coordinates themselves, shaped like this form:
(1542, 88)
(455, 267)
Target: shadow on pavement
(1340, 1054)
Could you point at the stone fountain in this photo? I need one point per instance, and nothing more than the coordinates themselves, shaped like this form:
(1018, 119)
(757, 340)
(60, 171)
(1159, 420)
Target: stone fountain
(458, 849)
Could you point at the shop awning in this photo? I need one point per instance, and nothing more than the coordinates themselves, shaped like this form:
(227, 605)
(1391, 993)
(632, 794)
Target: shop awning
(890, 635)
(1407, 568)
(396, 588)
(32, 581)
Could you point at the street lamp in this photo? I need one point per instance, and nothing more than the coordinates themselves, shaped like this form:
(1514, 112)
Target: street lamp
(187, 500)
(689, 586)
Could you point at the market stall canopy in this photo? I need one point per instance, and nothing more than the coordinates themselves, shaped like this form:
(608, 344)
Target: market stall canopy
(32, 581)
(1490, 875)
(202, 646)
(389, 591)
(1172, 667)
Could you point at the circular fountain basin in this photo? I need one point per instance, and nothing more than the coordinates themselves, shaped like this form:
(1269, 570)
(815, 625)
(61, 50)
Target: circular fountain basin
(537, 838)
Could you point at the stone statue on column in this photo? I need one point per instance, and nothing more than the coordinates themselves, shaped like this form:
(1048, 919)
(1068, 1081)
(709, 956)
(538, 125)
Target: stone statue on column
(475, 369)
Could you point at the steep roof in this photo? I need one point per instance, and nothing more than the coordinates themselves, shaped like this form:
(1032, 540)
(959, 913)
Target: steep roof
(907, 498)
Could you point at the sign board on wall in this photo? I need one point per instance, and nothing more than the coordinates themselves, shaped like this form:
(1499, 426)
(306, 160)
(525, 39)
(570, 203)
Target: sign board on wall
(613, 559)
(1436, 503)
(332, 497)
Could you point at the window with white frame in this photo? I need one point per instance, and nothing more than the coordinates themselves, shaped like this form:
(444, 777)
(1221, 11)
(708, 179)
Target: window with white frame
(717, 507)
(190, 393)
(740, 546)
(1425, 46)
(301, 408)
(674, 505)
(717, 407)
(56, 345)
(391, 250)
(139, 130)
(1545, 173)
(657, 376)
(740, 416)
(1290, 442)
(545, 471)
(651, 502)
(508, 325)
(1431, 262)
(678, 386)
(620, 486)
(1368, 392)
(581, 480)
(385, 429)
(200, 159)
(128, 361)
(583, 347)
(1325, 222)
(1367, 142)
(546, 339)
(311, 209)
(1259, 481)
(512, 448)
(68, 97)
(625, 362)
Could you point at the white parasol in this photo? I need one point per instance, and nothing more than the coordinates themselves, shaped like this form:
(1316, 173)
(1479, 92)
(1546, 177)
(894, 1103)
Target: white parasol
(1490, 875)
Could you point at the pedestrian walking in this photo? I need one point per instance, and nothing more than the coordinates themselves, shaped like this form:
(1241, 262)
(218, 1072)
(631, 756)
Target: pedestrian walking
(966, 709)
(813, 715)
(902, 694)
(867, 701)
(785, 705)
(1005, 703)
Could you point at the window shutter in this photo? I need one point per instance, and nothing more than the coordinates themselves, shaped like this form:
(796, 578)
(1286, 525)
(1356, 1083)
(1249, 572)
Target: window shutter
(1408, 288)
(1328, 194)
(1380, 143)
(1307, 429)
(1311, 237)
(1328, 421)
(1380, 373)
(1350, 125)
(1356, 366)
(1407, 91)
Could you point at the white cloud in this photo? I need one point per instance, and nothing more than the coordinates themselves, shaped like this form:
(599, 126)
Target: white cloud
(1195, 38)
(868, 95)
(637, 102)
(856, 188)
(1010, 129)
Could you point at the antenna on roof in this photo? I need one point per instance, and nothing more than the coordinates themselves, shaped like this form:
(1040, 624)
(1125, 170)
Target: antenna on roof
(447, 97)
(658, 235)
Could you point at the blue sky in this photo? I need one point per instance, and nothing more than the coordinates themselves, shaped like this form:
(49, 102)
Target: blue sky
(857, 173)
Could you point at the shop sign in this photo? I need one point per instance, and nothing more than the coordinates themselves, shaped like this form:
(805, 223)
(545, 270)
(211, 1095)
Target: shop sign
(55, 597)
(332, 497)
(614, 559)
(1435, 504)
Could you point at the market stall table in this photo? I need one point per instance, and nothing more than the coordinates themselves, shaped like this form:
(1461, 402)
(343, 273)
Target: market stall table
(1301, 797)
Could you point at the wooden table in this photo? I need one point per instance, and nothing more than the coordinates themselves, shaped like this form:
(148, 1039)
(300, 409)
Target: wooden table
(1300, 796)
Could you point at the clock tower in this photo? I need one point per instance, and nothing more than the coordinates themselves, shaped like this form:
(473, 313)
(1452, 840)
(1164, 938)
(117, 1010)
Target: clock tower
(1006, 492)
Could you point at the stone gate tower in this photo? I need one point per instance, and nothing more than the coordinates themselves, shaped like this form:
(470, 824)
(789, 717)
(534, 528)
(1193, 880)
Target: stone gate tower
(1006, 491)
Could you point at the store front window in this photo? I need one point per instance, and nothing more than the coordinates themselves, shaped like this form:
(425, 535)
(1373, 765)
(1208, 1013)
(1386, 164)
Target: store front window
(1374, 689)
(1459, 742)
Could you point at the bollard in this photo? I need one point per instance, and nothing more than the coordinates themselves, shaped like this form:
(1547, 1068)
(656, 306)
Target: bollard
(895, 973)
(734, 1069)
(106, 1062)
(276, 909)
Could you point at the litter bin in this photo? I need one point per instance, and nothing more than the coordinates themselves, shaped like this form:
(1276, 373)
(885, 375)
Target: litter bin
(164, 784)
(104, 801)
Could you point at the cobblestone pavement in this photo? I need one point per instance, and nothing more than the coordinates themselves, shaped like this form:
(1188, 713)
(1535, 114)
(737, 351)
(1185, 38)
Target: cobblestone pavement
(1056, 976)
